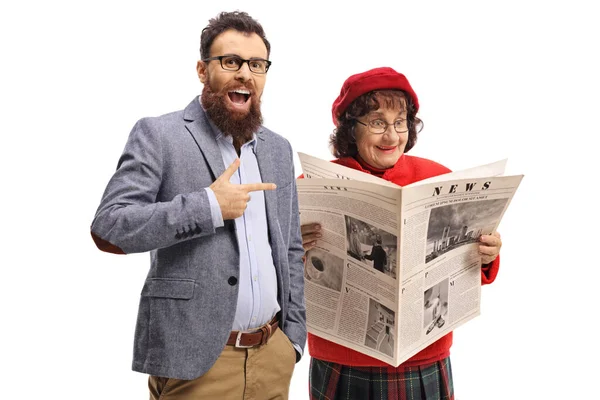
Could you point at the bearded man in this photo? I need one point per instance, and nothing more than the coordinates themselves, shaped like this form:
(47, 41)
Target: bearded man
(222, 311)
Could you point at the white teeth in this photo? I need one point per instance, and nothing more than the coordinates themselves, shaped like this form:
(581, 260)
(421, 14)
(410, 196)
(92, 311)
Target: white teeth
(241, 91)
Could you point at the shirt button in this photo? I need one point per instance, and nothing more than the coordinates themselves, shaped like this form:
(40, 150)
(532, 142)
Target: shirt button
(249, 238)
(232, 280)
(255, 277)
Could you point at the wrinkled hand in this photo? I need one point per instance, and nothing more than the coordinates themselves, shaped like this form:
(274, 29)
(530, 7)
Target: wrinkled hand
(310, 234)
(233, 199)
(489, 247)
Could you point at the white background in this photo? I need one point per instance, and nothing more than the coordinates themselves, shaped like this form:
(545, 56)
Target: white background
(516, 80)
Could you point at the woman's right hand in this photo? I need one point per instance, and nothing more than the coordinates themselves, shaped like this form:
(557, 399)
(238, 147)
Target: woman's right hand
(310, 234)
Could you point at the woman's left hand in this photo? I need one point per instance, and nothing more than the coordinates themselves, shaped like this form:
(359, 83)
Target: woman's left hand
(489, 247)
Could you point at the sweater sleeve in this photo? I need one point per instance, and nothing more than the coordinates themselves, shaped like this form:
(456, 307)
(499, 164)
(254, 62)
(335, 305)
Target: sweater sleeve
(490, 271)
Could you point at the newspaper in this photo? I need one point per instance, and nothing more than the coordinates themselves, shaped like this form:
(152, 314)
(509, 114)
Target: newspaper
(396, 267)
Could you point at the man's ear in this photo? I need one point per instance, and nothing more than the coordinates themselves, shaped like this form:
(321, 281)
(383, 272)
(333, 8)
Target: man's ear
(201, 70)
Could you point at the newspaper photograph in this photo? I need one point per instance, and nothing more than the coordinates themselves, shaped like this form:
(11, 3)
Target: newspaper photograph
(396, 267)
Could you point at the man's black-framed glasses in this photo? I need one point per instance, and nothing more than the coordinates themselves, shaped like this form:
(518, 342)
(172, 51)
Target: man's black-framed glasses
(234, 63)
(379, 126)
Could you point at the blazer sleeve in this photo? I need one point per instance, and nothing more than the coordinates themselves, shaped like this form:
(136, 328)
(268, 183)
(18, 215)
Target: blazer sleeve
(296, 314)
(129, 218)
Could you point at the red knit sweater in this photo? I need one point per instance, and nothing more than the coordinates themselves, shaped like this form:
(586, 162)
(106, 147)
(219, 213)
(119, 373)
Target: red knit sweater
(407, 170)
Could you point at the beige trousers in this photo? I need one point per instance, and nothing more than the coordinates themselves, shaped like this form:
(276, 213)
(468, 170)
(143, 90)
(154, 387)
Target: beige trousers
(259, 373)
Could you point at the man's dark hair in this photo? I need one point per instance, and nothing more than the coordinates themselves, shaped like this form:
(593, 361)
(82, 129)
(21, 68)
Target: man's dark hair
(343, 139)
(237, 20)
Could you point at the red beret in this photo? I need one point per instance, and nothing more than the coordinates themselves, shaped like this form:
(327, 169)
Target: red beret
(374, 79)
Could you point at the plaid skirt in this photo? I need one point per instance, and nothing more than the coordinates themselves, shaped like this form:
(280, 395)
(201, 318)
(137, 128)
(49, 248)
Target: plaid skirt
(330, 381)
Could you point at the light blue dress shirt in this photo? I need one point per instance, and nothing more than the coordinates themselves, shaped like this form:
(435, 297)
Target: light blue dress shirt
(257, 297)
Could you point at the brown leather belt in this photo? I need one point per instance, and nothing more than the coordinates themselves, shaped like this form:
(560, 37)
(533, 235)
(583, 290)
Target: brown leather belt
(256, 337)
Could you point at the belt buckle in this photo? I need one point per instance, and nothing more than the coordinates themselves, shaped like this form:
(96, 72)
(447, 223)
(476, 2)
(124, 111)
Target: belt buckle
(237, 341)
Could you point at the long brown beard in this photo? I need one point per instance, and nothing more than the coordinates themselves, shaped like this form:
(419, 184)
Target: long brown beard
(241, 127)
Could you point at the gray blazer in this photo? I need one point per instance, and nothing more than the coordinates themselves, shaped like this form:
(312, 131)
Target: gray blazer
(155, 202)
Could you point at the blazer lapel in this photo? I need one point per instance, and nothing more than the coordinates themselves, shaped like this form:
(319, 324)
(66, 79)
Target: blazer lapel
(202, 133)
(267, 173)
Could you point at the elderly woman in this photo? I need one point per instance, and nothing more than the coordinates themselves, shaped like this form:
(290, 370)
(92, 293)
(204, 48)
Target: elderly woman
(376, 124)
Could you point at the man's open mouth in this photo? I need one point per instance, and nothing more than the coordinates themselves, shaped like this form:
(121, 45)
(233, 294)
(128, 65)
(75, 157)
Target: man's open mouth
(239, 96)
